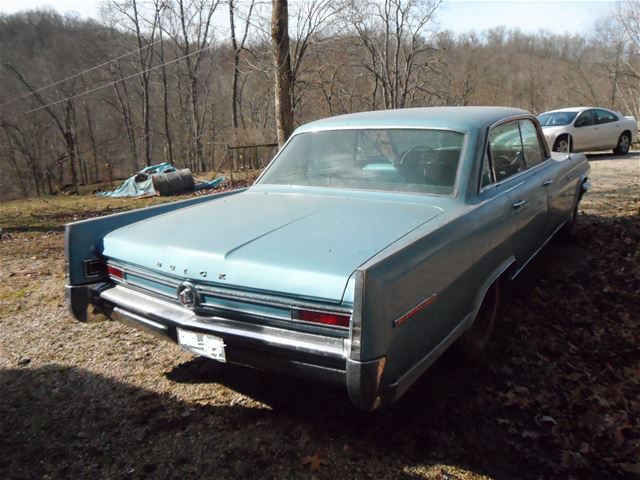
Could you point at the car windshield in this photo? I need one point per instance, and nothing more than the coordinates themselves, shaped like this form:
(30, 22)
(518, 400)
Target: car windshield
(556, 118)
(393, 160)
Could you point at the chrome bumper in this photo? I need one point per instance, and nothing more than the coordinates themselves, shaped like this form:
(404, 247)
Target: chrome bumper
(260, 346)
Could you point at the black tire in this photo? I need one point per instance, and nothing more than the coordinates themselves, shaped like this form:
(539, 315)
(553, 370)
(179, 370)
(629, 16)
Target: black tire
(474, 340)
(567, 232)
(563, 144)
(624, 144)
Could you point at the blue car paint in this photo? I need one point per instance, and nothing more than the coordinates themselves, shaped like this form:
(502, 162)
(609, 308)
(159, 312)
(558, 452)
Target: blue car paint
(379, 253)
(305, 245)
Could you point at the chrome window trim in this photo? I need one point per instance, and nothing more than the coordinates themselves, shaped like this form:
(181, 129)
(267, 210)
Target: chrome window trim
(543, 152)
(610, 112)
(495, 184)
(456, 184)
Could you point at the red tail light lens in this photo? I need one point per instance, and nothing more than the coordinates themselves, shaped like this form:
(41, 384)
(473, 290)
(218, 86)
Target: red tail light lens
(323, 318)
(115, 272)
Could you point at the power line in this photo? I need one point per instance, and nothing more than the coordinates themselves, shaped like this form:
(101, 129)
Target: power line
(86, 92)
(77, 74)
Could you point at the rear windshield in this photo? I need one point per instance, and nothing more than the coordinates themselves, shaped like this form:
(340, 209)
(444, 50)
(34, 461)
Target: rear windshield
(394, 160)
(556, 118)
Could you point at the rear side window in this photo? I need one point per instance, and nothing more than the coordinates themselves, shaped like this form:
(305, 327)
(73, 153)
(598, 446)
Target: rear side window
(605, 116)
(586, 119)
(531, 142)
(487, 172)
(505, 149)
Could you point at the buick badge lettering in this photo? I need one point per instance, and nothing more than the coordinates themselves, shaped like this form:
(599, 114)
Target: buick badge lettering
(187, 295)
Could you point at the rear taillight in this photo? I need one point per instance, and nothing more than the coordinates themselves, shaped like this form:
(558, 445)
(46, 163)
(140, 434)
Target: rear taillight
(323, 318)
(115, 272)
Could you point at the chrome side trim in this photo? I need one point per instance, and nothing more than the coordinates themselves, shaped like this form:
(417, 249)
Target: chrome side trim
(410, 376)
(270, 300)
(213, 308)
(355, 330)
(416, 309)
(129, 269)
(237, 295)
(399, 387)
(151, 310)
(517, 272)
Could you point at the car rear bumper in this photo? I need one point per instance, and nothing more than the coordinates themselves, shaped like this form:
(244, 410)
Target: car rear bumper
(320, 357)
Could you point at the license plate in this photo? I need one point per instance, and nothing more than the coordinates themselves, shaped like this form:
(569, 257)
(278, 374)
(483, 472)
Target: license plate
(202, 344)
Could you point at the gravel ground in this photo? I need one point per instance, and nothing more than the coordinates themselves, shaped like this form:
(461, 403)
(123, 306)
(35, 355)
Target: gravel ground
(557, 394)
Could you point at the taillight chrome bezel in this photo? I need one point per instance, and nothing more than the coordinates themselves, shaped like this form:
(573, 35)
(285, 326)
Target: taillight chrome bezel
(94, 268)
(115, 273)
(322, 318)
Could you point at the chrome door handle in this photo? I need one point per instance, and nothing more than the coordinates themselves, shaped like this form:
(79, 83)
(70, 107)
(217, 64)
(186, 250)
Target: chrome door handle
(547, 182)
(519, 204)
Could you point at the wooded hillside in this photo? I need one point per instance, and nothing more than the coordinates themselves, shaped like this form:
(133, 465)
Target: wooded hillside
(172, 83)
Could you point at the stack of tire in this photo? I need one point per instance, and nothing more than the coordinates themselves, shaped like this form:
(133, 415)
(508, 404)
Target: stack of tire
(173, 182)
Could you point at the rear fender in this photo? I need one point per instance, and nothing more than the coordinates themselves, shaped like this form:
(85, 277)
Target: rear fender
(83, 239)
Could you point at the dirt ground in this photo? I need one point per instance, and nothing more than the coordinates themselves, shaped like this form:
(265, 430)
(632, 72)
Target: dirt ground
(557, 394)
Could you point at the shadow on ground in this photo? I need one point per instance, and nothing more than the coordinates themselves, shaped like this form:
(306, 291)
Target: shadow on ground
(544, 402)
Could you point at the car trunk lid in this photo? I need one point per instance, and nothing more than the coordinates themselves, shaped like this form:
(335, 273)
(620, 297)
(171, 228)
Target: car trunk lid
(300, 245)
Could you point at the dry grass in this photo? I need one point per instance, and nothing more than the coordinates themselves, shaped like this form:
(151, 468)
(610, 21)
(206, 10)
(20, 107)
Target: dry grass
(104, 401)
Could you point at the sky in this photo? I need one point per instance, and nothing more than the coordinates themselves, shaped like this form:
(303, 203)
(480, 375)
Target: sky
(558, 16)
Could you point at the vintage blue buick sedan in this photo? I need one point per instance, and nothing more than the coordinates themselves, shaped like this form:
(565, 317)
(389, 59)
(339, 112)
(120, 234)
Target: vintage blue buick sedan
(370, 244)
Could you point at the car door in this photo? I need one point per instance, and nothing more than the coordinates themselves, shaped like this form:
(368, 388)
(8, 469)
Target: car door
(525, 186)
(585, 131)
(553, 175)
(609, 128)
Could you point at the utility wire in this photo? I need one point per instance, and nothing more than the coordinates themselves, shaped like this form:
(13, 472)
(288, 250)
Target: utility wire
(77, 75)
(86, 92)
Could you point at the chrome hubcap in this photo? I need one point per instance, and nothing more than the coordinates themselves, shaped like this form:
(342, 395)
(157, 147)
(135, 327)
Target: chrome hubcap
(563, 146)
(624, 142)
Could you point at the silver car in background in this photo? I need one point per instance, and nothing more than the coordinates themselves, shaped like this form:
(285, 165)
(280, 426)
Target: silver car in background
(581, 129)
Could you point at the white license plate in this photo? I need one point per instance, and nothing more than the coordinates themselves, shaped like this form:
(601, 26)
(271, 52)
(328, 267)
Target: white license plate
(202, 344)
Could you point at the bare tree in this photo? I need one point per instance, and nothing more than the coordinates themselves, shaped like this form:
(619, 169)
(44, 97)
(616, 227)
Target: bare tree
(145, 29)
(237, 47)
(123, 106)
(282, 66)
(65, 125)
(191, 35)
(393, 33)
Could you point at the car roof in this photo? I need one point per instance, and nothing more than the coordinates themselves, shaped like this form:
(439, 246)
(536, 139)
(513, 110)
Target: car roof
(575, 109)
(461, 119)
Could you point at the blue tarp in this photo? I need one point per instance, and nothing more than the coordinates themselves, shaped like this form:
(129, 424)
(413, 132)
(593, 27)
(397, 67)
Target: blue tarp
(144, 186)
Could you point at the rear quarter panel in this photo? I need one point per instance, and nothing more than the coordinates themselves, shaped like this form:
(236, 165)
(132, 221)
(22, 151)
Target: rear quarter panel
(83, 239)
(452, 260)
(631, 124)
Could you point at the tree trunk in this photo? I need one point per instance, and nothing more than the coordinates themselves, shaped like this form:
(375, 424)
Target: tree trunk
(282, 66)
(69, 137)
(236, 66)
(92, 139)
(146, 58)
(14, 162)
(165, 90)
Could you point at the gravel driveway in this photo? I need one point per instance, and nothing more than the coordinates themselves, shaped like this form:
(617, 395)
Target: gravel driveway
(557, 394)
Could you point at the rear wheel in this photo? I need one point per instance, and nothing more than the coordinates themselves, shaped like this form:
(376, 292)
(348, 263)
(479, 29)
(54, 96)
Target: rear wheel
(562, 144)
(473, 341)
(568, 231)
(624, 144)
